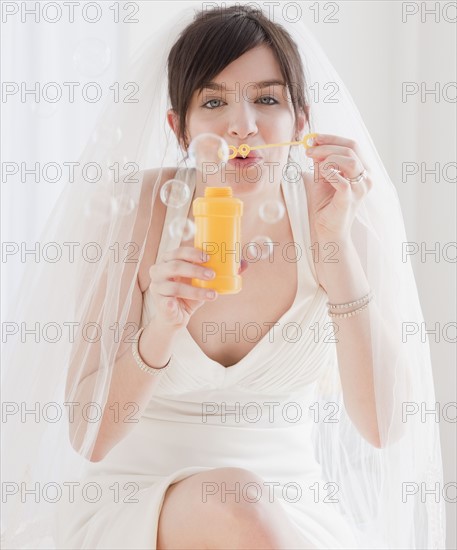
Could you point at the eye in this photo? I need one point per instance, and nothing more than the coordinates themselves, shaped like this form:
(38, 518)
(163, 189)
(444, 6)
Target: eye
(205, 105)
(269, 97)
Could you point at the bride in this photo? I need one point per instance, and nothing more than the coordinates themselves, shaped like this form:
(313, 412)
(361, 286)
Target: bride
(235, 74)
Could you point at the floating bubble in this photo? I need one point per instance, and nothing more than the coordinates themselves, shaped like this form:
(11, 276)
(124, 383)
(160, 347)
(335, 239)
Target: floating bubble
(259, 248)
(208, 148)
(107, 136)
(271, 211)
(92, 57)
(121, 160)
(116, 170)
(175, 193)
(100, 206)
(123, 205)
(184, 229)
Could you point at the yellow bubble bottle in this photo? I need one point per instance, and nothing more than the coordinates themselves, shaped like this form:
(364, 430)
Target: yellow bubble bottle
(217, 218)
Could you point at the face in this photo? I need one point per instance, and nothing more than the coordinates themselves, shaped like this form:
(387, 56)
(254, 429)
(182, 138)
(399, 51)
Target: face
(243, 111)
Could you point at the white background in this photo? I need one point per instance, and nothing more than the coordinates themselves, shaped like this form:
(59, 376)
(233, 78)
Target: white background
(374, 49)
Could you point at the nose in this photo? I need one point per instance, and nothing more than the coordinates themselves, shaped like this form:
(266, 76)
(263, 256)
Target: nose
(242, 122)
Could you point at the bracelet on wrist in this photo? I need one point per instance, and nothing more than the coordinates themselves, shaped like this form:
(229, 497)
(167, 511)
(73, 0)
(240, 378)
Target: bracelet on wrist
(139, 361)
(363, 301)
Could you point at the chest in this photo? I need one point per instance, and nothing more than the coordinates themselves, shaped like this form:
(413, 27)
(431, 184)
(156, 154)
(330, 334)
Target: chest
(227, 329)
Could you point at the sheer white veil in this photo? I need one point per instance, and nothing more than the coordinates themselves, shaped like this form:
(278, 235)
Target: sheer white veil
(84, 301)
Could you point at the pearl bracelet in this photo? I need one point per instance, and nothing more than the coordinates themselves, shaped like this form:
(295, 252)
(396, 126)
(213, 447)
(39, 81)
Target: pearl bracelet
(140, 362)
(366, 299)
(349, 313)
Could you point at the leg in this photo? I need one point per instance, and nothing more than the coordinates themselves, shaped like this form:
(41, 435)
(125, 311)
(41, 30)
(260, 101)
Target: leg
(191, 518)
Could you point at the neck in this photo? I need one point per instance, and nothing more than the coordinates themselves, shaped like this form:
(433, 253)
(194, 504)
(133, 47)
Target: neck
(251, 222)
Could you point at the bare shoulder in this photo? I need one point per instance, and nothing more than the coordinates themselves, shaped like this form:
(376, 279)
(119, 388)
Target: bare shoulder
(153, 180)
(154, 177)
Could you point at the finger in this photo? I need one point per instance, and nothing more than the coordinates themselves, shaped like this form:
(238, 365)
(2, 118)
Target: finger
(325, 139)
(338, 182)
(329, 139)
(322, 151)
(350, 167)
(160, 271)
(188, 253)
(182, 268)
(243, 266)
(186, 291)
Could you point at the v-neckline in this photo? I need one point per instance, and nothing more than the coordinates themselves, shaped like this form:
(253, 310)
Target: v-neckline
(298, 239)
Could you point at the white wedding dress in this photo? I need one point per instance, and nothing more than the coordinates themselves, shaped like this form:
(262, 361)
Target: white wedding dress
(271, 436)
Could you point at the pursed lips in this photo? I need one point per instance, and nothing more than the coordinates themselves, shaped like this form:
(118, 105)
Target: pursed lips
(251, 155)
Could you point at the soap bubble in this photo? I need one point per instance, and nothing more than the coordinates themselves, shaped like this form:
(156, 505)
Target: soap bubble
(259, 248)
(208, 148)
(100, 206)
(116, 171)
(184, 229)
(107, 136)
(271, 211)
(175, 193)
(123, 205)
(92, 57)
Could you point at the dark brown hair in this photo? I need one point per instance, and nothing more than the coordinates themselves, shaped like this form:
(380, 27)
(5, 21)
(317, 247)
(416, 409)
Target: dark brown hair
(216, 38)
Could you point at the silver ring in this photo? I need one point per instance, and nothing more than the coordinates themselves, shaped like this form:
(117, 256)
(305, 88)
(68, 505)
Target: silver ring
(359, 178)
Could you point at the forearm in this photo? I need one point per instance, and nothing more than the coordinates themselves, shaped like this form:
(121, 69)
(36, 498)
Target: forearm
(130, 389)
(345, 281)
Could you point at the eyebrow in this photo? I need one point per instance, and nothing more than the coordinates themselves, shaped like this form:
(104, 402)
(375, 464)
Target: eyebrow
(263, 84)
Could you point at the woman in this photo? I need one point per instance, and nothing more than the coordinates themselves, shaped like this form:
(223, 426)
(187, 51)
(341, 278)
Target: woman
(176, 431)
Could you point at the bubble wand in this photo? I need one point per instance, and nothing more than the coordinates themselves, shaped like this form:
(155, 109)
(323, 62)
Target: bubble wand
(244, 149)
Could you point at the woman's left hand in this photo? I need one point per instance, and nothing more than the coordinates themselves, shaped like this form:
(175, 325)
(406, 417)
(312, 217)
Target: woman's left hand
(332, 200)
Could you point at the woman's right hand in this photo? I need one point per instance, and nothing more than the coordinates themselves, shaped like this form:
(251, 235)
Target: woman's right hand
(175, 298)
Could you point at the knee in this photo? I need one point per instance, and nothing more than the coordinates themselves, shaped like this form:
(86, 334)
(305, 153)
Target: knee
(237, 488)
(220, 508)
(245, 503)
